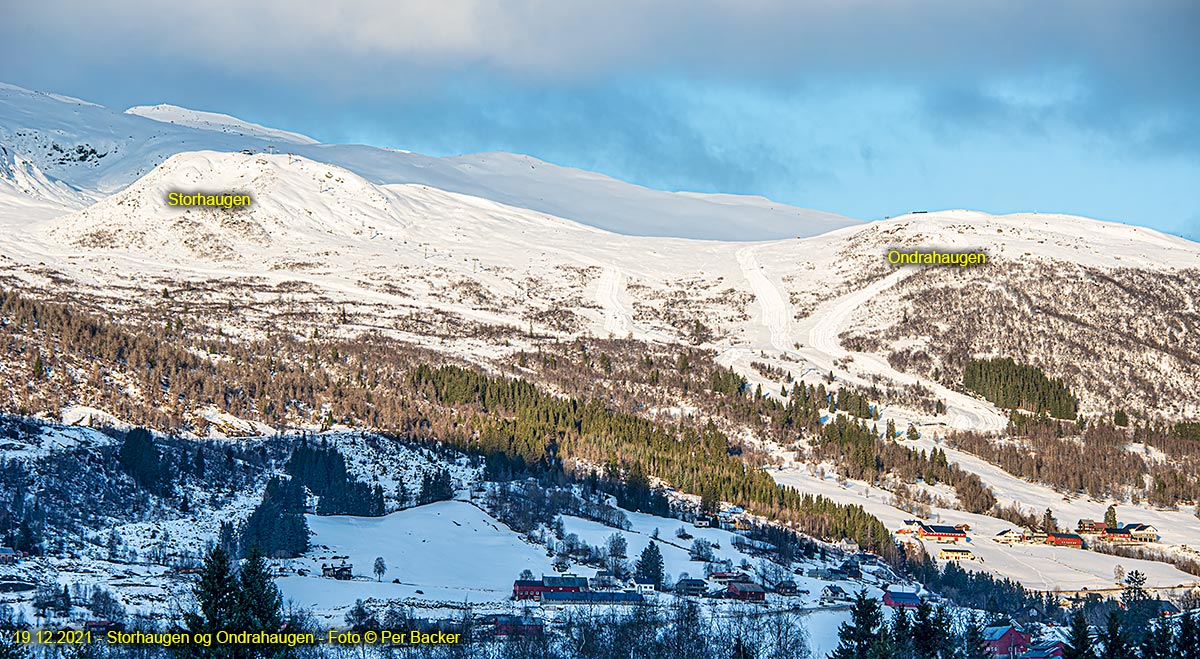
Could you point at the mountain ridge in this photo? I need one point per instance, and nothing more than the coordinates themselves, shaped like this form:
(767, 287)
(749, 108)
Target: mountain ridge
(108, 150)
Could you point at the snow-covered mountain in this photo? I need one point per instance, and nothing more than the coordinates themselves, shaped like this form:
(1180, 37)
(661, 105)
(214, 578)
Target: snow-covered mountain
(831, 302)
(100, 150)
(216, 122)
(485, 256)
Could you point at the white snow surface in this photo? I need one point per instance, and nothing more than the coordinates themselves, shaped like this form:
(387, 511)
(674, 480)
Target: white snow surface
(214, 121)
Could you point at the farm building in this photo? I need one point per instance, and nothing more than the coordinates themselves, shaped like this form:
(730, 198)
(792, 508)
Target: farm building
(519, 626)
(727, 577)
(643, 586)
(941, 533)
(1044, 650)
(834, 595)
(1006, 641)
(342, 572)
(1064, 540)
(1090, 527)
(524, 589)
(901, 598)
(1008, 537)
(746, 592)
(691, 587)
(1142, 532)
(786, 587)
(955, 554)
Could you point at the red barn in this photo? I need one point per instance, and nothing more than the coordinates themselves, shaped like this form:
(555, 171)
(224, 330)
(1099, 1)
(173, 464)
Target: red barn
(747, 592)
(941, 533)
(519, 626)
(901, 599)
(527, 589)
(1064, 540)
(1006, 641)
(1117, 535)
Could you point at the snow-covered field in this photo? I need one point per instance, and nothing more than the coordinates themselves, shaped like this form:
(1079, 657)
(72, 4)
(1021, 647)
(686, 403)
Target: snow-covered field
(452, 552)
(1040, 567)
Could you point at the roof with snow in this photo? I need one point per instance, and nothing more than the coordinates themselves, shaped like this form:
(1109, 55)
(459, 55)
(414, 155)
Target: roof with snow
(996, 633)
(593, 596)
(903, 597)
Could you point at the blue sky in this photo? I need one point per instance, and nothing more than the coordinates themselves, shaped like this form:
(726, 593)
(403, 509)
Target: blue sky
(862, 108)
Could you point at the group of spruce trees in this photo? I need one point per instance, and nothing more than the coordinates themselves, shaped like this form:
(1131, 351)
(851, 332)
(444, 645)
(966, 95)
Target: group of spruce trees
(513, 420)
(1010, 385)
(277, 526)
(931, 634)
(322, 469)
(863, 455)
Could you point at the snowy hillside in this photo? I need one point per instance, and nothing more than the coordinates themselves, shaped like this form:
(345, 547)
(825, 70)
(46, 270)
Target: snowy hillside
(214, 121)
(101, 151)
(829, 303)
(497, 260)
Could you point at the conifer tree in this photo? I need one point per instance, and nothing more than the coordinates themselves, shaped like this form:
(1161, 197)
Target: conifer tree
(927, 637)
(902, 642)
(863, 637)
(216, 596)
(1116, 643)
(1188, 637)
(650, 565)
(10, 648)
(1110, 517)
(1049, 525)
(1159, 643)
(974, 646)
(259, 603)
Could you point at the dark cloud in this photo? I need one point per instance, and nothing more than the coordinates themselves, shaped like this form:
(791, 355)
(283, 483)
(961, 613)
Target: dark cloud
(764, 96)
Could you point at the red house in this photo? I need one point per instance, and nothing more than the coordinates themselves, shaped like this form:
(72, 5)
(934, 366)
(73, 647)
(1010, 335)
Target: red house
(746, 592)
(1044, 650)
(941, 533)
(1006, 641)
(519, 626)
(532, 589)
(1064, 540)
(901, 599)
(1117, 535)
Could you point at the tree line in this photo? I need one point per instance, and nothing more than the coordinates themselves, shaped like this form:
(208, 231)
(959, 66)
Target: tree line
(513, 419)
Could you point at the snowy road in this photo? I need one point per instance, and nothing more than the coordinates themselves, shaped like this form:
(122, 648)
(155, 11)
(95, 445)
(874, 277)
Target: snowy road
(822, 346)
(776, 312)
(617, 320)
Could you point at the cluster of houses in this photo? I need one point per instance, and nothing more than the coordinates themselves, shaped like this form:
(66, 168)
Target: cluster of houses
(1034, 537)
(605, 589)
(733, 518)
(1087, 530)
(1131, 533)
(10, 556)
(942, 533)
